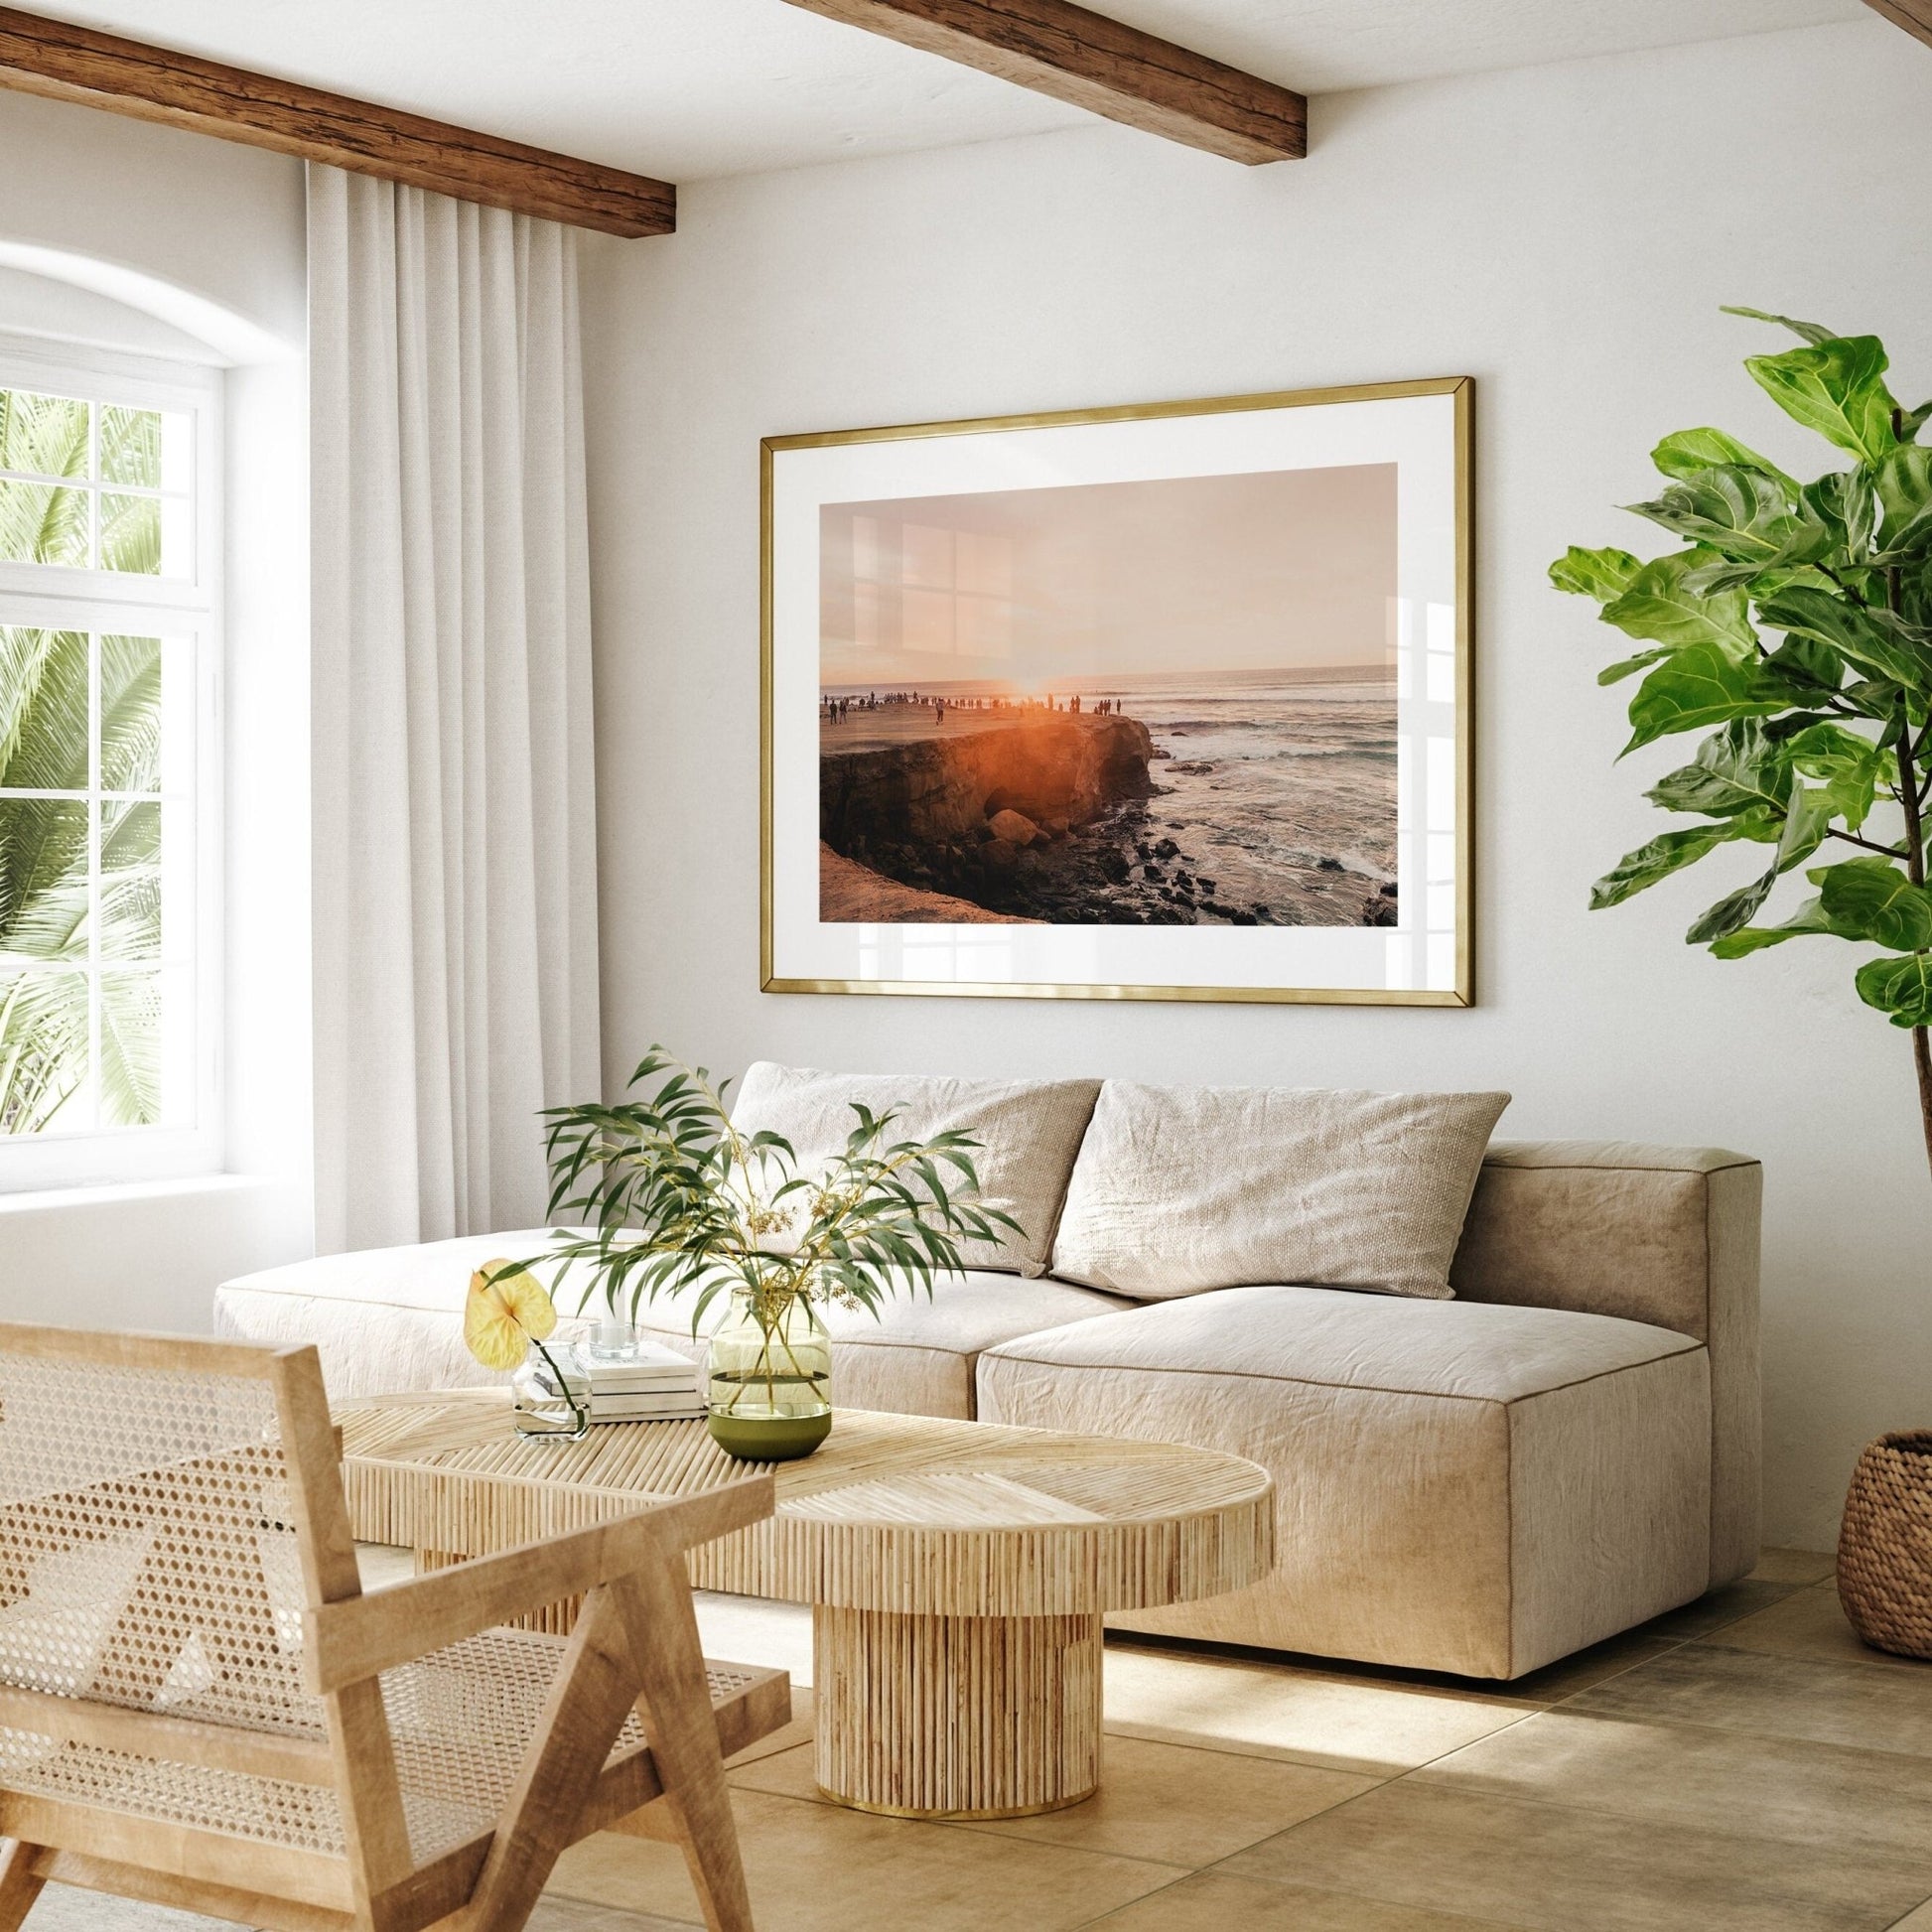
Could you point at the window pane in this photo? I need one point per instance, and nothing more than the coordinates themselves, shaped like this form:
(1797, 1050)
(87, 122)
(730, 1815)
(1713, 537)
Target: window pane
(41, 523)
(43, 880)
(131, 739)
(44, 436)
(130, 882)
(133, 1070)
(130, 446)
(42, 710)
(43, 1052)
(131, 534)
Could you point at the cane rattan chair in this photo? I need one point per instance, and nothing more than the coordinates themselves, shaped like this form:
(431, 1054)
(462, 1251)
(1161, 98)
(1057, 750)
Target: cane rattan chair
(199, 1708)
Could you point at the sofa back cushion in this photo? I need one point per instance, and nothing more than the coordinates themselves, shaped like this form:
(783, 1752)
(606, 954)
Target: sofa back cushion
(1183, 1190)
(1029, 1133)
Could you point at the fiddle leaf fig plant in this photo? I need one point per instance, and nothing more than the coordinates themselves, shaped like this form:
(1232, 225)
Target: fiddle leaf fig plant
(1794, 628)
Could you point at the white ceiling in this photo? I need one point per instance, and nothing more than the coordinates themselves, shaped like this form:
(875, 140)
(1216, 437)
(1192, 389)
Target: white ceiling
(689, 88)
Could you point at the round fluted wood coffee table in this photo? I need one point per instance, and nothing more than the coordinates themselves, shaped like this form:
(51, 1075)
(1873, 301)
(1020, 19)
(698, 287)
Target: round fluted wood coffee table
(957, 1572)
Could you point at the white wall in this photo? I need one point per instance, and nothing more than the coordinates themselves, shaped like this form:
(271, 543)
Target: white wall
(1564, 234)
(224, 227)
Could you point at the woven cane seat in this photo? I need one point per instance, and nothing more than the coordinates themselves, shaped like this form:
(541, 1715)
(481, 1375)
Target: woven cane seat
(150, 1559)
(461, 1721)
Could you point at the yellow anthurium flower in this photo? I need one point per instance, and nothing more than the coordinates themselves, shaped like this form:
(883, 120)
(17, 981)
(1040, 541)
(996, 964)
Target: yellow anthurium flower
(506, 1310)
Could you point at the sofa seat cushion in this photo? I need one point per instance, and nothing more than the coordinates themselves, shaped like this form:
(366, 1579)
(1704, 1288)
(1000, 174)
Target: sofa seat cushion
(919, 1357)
(389, 1320)
(386, 1321)
(1460, 1486)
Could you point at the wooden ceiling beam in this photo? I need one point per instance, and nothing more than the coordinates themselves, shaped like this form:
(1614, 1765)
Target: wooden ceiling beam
(1915, 16)
(1062, 49)
(153, 84)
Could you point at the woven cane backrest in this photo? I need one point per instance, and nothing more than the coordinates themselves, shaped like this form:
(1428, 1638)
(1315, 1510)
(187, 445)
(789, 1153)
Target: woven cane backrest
(148, 1550)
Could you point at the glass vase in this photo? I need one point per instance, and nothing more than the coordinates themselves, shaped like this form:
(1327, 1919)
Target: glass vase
(769, 1387)
(543, 1406)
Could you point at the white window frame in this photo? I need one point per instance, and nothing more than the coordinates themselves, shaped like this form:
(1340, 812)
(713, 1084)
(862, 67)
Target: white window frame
(187, 608)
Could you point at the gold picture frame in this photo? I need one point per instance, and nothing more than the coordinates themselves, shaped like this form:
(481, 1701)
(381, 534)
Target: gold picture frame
(1459, 992)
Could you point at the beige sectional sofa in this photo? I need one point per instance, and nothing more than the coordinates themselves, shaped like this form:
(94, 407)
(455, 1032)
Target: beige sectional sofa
(1478, 1484)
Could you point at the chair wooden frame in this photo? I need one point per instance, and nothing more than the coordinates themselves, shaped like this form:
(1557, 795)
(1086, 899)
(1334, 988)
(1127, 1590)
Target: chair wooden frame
(634, 1646)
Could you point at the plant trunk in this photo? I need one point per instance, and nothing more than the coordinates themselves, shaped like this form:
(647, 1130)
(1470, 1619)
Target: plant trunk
(1922, 1060)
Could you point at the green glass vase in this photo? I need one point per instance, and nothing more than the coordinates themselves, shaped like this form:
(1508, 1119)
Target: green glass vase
(769, 1386)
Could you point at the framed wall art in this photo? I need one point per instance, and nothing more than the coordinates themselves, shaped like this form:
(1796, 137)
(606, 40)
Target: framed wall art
(1169, 702)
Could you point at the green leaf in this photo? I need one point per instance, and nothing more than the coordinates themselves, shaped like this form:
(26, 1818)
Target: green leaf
(1669, 852)
(1873, 640)
(1690, 452)
(1737, 769)
(1698, 686)
(1626, 666)
(1602, 574)
(1837, 388)
(1741, 513)
(1807, 820)
(1851, 767)
(1812, 331)
(1872, 899)
(1809, 920)
(1657, 608)
(1903, 485)
(1899, 987)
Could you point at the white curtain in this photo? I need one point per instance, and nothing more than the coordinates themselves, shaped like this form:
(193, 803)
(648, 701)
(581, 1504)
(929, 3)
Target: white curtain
(455, 866)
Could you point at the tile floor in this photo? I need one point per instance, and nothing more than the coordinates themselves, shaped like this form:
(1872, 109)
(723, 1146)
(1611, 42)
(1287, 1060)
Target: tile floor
(1742, 1766)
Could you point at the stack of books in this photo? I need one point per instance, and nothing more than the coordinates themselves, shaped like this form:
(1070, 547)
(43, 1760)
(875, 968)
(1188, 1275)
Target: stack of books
(650, 1383)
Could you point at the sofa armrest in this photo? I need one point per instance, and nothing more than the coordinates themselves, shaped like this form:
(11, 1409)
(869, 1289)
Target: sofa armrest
(1657, 1235)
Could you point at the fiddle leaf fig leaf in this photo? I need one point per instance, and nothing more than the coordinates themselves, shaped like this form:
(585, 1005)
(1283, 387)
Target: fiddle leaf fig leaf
(1667, 853)
(1742, 514)
(1691, 452)
(1911, 420)
(1900, 987)
(1851, 767)
(1904, 486)
(1873, 641)
(1603, 574)
(1699, 685)
(1872, 899)
(1812, 331)
(1737, 769)
(1624, 666)
(1806, 921)
(1657, 608)
(1836, 387)
(1807, 820)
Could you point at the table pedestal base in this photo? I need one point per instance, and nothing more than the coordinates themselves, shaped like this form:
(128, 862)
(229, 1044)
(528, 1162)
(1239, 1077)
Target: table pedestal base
(956, 1717)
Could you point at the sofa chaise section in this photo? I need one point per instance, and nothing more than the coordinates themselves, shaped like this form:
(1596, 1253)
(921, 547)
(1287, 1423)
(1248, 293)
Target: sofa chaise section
(1460, 1488)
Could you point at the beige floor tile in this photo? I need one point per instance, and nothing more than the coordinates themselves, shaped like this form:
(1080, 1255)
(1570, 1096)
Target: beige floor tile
(1809, 1623)
(798, 1731)
(381, 1564)
(1773, 1696)
(1568, 1675)
(1342, 1723)
(816, 1867)
(1717, 1780)
(1164, 1802)
(1716, 1608)
(1210, 1901)
(1793, 1565)
(1572, 1870)
(753, 1630)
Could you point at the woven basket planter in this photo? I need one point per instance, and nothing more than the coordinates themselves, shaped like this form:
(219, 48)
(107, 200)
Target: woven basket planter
(1885, 1547)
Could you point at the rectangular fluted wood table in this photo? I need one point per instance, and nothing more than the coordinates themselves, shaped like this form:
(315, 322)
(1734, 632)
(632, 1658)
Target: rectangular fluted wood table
(957, 1572)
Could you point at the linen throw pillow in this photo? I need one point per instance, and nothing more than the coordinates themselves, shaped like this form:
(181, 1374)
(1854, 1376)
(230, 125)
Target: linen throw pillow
(1029, 1131)
(1183, 1190)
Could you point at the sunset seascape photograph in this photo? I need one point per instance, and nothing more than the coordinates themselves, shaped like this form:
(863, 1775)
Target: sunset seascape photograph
(1168, 702)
